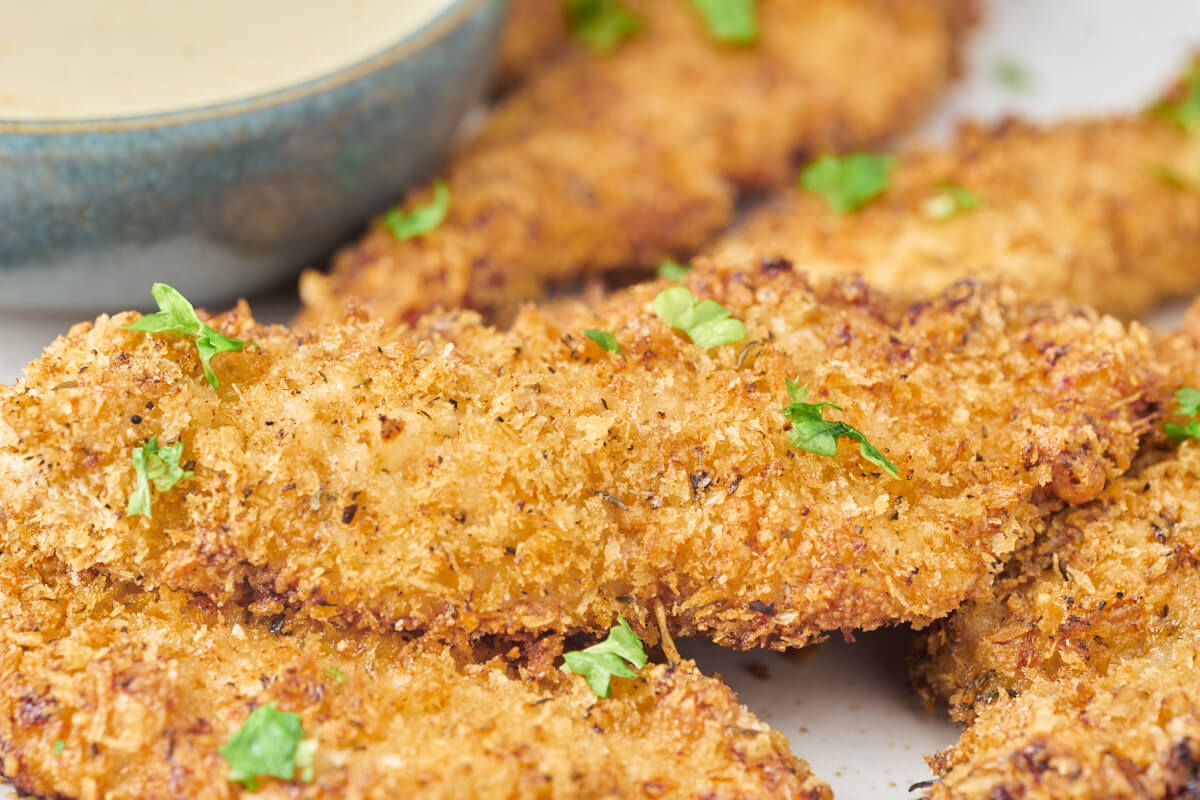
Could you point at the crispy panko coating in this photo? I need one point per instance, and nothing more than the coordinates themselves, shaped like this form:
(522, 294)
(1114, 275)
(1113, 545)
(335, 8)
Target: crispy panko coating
(1132, 731)
(144, 688)
(534, 31)
(617, 160)
(1079, 674)
(1089, 210)
(525, 481)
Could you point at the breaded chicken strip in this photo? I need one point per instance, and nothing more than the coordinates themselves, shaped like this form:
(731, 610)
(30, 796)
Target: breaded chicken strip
(1079, 673)
(1129, 732)
(1089, 210)
(527, 481)
(617, 160)
(534, 31)
(142, 690)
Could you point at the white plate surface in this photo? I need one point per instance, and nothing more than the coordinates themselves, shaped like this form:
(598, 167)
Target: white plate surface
(845, 707)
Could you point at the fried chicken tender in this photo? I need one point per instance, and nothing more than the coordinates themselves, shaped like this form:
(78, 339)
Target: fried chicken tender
(525, 481)
(617, 160)
(142, 689)
(1090, 210)
(1131, 731)
(1079, 673)
(534, 31)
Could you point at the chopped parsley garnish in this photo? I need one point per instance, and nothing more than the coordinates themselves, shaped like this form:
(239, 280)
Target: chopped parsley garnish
(270, 742)
(706, 322)
(730, 21)
(603, 661)
(601, 24)
(1186, 112)
(336, 674)
(672, 270)
(154, 465)
(848, 182)
(813, 433)
(59, 746)
(950, 201)
(1189, 406)
(422, 219)
(1011, 75)
(603, 338)
(177, 317)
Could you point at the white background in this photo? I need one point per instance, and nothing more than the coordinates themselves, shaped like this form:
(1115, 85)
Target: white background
(845, 707)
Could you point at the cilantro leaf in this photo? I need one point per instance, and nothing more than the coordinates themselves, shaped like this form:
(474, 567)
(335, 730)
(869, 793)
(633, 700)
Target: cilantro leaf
(270, 742)
(672, 270)
(730, 21)
(336, 674)
(154, 465)
(1186, 112)
(813, 433)
(1188, 400)
(950, 201)
(849, 182)
(422, 219)
(177, 317)
(706, 322)
(601, 24)
(603, 338)
(605, 660)
(59, 746)
(1011, 75)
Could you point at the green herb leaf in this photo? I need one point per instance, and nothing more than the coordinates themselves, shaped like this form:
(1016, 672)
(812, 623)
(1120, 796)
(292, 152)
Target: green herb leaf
(605, 660)
(706, 322)
(177, 317)
(730, 21)
(813, 433)
(336, 674)
(1186, 112)
(601, 24)
(59, 746)
(850, 182)
(270, 742)
(950, 201)
(603, 338)
(422, 219)
(672, 270)
(1188, 400)
(1011, 75)
(155, 465)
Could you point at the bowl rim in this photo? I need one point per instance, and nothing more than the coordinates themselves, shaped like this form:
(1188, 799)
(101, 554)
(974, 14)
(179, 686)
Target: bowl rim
(437, 27)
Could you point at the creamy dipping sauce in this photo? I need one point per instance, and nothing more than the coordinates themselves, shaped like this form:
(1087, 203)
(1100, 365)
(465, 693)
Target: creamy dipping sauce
(84, 59)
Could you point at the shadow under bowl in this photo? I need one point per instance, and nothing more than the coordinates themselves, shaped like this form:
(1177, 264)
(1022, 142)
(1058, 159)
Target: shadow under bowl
(228, 200)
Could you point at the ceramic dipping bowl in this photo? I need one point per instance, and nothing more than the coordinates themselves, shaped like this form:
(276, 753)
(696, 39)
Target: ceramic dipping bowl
(230, 199)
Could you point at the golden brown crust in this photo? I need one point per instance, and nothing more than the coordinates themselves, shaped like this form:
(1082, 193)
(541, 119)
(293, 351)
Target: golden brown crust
(608, 161)
(1127, 734)
(1078, 673)
(1108, 581)
(1078, 210)
(534, 31)
(143, 689)
(524, 481)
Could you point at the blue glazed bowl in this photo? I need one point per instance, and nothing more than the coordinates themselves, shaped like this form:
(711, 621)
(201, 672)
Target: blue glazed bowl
(230, 199)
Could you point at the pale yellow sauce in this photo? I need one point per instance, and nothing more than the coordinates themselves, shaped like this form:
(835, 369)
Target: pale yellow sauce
(81, 59)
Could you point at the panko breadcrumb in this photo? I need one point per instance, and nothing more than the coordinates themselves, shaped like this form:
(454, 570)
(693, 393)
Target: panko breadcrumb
(1104, 212)
(535, 31)
(141, 689)
(612, 160)
(1078, 672)
(525, 481)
